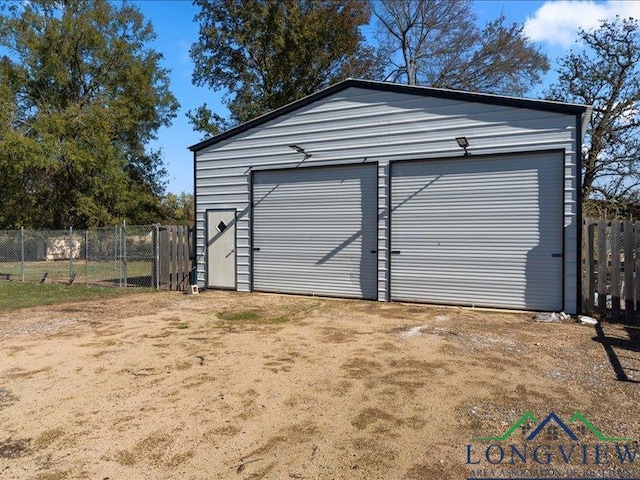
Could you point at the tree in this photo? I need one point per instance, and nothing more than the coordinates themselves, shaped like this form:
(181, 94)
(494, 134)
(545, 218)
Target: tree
(604, 71)
(82, 94)
(267, 53)
(179, 208)
(438, 43)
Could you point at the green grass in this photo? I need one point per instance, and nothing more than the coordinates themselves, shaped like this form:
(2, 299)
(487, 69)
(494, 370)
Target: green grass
(14, 295)
(98, 270)
(251, 317)
(274, 315)
(238, 316)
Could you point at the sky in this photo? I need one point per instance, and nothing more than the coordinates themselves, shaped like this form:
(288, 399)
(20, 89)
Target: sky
(552, 24)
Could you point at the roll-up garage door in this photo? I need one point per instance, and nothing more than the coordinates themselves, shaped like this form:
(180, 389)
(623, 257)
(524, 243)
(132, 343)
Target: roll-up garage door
(485, 231)
(314, 231)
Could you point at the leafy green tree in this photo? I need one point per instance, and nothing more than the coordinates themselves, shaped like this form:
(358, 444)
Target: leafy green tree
(439, 44)
(267, 53)
(82, 94)
(603, 70)
(178, 208)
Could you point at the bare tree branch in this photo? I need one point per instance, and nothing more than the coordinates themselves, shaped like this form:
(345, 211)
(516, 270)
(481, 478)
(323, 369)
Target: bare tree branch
(604, 72)
(437, 43)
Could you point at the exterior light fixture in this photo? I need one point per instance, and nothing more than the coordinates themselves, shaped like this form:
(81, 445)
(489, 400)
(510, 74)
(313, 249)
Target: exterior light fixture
(463, 143)
(300, 150)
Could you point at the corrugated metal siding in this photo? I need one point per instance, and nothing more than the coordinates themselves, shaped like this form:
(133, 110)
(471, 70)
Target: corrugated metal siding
(479, 231)
(359, 126)
(314, 230)
(383, 232)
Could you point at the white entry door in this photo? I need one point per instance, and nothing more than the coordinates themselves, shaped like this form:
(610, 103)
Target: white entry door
(221, 248)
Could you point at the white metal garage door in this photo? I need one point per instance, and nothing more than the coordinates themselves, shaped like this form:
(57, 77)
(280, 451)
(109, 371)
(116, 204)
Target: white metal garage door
(314, 231)
(485, 231)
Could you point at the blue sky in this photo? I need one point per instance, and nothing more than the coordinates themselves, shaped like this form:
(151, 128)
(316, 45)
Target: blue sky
(552, 24)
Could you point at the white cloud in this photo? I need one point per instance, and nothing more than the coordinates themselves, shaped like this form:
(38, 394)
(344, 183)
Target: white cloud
(557, 22)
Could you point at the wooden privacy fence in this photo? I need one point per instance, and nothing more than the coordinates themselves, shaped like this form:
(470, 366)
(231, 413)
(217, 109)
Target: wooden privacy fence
(611, 269)
(174, 260)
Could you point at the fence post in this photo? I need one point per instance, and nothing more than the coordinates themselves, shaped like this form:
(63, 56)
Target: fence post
(86, 258)
(22, 252)
(116, 241)
(156, 256)
(124, 251)
(70, 242)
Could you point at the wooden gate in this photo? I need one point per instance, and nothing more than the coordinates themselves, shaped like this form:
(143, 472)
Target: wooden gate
(174, 260)
(611, 269)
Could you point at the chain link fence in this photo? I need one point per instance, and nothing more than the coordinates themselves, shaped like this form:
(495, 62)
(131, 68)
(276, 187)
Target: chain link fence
(122, 256)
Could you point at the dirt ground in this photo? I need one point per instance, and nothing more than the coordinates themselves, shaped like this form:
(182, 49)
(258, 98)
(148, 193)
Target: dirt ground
(230, 385)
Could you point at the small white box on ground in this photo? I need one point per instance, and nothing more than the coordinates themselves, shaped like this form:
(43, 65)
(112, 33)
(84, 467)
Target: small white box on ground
(192, 290)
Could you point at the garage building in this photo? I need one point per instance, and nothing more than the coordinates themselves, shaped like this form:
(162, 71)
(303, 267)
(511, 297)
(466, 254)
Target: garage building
(383, 191)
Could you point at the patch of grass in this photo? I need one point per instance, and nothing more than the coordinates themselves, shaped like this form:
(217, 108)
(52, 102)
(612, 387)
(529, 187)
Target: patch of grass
(274, 314)
(182, 325)
(14, 295)
(251, 317)
(244, 315)
(107, 270)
